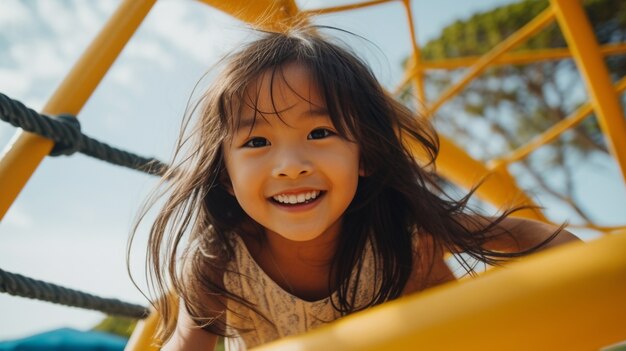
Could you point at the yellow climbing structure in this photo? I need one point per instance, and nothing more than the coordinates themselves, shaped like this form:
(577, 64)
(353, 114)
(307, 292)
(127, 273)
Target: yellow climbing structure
(569, 298)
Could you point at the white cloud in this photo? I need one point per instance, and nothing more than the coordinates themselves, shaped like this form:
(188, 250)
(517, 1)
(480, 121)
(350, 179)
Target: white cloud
(56, 15)
(14, 82)
(6, 131)
(125, 76)
(318, 4)
(87, 16)
(12, 12)
(105, 6)
(150, 50)
(17, 219)
(196, 29)
(39, 58)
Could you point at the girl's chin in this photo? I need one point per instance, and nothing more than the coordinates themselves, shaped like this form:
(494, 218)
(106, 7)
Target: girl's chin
(296, 234)
(299, 237)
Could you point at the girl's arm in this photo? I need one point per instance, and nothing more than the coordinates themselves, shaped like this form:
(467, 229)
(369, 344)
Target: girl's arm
(188, 336)
(525, 234)
(429, 267)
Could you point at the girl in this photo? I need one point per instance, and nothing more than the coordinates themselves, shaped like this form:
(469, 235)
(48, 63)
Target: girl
(302, 204)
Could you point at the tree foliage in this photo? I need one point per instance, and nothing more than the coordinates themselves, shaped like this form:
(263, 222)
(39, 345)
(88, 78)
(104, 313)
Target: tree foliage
(509, 105)
(121, 326)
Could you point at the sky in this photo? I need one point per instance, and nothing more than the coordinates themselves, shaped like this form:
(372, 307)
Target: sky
(70, 223)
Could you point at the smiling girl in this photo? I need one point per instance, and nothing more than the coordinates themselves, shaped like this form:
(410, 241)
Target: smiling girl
(302, 204)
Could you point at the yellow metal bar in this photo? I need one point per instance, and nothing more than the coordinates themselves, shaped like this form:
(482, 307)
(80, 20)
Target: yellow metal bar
(568, 298)
(538, 23)
(498, 188)
(22, 156)
(142, 338)
(600, 228)
(268, 14)
(415, 61)
(584, 46)
(519, 58)
(513, 58)
(549, 135)
(144, 335)
(326, 10)
(556, 130)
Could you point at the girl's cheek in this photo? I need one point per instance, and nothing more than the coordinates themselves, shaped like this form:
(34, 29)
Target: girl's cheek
(252, 163)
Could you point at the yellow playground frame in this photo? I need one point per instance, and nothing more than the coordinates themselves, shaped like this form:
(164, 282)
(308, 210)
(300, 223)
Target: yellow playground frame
(568, 292)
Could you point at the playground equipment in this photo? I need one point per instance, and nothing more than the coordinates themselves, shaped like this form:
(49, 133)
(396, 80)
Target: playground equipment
(576, 290)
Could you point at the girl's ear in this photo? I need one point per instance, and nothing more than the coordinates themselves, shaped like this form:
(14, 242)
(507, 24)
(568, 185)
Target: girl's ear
(362, 172)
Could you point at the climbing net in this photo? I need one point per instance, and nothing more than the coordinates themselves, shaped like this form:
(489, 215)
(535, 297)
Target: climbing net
(65, 131)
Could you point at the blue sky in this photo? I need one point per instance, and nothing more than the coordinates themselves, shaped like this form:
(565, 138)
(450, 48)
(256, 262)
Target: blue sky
(70, 223)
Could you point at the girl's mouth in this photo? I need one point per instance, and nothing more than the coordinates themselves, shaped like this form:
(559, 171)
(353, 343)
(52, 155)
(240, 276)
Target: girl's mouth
(300, 201)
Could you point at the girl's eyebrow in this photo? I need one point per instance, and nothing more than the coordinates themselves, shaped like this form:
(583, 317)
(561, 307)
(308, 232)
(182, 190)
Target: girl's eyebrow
(317, 112)
(314, 113)
(247, 122)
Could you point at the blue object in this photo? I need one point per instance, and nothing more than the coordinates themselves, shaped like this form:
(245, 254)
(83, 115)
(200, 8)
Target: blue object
(66, 339)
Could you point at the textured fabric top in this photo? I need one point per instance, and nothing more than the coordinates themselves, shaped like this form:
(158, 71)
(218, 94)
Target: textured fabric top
(290, 314)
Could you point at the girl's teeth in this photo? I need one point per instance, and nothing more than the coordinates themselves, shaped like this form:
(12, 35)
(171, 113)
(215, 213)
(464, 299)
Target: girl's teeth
(296, 199)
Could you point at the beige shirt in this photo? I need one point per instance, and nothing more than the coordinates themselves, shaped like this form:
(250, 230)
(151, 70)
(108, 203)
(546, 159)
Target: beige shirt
(290, 314)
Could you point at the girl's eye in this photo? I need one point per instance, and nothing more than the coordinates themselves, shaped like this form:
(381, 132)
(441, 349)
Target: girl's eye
(320, 133)
(257, 142)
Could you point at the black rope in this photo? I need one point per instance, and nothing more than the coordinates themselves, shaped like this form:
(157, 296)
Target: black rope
(19, 285)
(64, 130)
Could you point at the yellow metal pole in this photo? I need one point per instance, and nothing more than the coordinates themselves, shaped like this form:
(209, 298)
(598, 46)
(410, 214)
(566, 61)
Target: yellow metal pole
(519, 58)
(334, 9)
(538, 23)
(498, 186)
(268, 14)
(22, 156)
(142, 338)
(415, 61)
(512, 58)
(598, 228)
(584, 46)
(556, 130)
(144, 335)
(568, 298)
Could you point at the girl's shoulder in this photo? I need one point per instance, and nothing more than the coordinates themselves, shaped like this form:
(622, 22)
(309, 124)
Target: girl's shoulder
(208, 255)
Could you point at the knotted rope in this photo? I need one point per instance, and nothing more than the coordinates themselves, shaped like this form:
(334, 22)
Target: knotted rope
(19, 285)
(65, 131)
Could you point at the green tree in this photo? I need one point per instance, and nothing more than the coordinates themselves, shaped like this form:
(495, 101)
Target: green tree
(514, 103)
(117, 325)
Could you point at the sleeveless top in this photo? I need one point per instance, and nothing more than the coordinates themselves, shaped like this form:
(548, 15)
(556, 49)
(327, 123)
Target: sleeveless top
(289, 314)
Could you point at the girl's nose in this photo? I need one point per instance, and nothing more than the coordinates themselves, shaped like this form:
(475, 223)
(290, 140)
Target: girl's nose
(291, 164)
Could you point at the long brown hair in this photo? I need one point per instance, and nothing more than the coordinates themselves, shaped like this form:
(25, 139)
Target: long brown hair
(395, 199)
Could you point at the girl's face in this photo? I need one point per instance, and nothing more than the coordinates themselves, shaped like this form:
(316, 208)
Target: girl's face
(292, 173)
